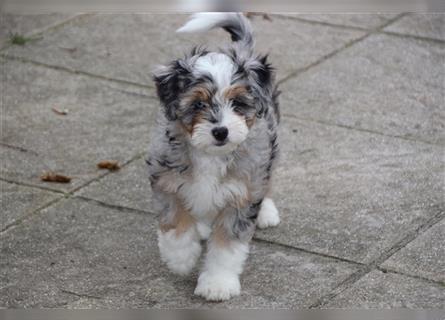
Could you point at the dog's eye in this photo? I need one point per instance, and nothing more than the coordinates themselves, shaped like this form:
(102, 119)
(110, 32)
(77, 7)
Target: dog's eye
(239, 103)
(239, 106)
(198, 105)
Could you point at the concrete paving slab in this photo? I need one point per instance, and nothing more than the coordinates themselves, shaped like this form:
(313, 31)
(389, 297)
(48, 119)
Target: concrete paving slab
(18, 201)
(341, 192)
(78, 254)
(424, 256)
(378, 290)
(364, 20)
(129, 46)
(294, 45)
(104, 121)
(27, 24)
(128, 187)
(430, 25)
(386, 84)
(352, 194)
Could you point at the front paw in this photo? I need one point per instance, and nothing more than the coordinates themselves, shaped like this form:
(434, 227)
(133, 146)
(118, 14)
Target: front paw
(218, 286)
(180, 253)
(268, 215)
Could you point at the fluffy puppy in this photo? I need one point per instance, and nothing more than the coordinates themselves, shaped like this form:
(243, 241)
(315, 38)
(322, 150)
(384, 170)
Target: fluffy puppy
(212, 154)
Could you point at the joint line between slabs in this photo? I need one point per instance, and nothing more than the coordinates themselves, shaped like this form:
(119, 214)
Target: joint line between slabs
(145, 86)
(30, 185)
(290, 247)
(319, 23)
(389, 270)
(24, 218)
(375, 264)
(74, 71)
(63, 195)
(413, 37)
(49, 28)
(349, 44)
(113, 206)
(347, 127)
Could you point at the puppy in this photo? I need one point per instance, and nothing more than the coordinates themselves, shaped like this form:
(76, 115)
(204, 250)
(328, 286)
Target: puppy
(212, 154)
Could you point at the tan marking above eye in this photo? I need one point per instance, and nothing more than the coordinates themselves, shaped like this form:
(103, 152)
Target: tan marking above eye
(235, 91)
(198, 93)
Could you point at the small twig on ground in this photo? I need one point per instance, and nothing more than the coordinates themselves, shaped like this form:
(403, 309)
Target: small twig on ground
(263, 14)
(55, 177)
(81, 295)
(17, 148)
(69, 50)
(111, 165)
(60, 112)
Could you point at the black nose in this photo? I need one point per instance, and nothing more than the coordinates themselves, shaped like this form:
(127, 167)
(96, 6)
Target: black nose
(220, 133)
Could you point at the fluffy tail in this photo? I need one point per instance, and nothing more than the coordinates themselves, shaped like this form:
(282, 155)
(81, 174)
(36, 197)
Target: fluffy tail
(234, 23)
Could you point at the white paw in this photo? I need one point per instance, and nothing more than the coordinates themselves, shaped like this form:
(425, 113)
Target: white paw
(180, 253)
(217, 287)
(268, 215)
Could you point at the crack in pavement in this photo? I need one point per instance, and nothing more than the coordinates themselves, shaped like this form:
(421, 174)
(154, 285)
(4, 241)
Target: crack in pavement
(341, 49)
(66, 195)
(343, 126)
(374, 265)
(75, 71)
(80, 295)
(389, 270)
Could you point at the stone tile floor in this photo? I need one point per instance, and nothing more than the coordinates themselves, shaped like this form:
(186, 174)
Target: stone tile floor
(360, 185)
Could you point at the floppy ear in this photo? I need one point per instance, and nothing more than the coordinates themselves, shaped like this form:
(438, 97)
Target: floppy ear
(170, 83)
(263, 71)
(263, 75)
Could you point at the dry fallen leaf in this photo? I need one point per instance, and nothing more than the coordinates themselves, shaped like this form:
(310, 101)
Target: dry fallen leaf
(70, 50)
(264, 15)
(111, 165)
(60, 112)
(55, 177)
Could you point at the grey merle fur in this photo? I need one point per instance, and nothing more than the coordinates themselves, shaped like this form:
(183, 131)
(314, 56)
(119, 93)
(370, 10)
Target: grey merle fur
(253, 160)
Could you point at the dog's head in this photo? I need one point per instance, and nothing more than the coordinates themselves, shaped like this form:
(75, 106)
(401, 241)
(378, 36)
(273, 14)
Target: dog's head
(215, 97)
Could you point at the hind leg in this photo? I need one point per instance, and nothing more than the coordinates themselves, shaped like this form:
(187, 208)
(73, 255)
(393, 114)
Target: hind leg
(268, 215)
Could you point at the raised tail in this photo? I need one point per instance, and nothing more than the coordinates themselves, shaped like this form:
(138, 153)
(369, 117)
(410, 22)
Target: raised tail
(234, 23)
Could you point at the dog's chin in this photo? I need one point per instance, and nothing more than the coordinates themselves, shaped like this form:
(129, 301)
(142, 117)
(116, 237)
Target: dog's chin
(221, 149)
(208, 145)
(214, 148)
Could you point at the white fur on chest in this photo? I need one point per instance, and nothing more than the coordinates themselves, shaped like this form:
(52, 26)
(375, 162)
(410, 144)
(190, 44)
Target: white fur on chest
(209, 190)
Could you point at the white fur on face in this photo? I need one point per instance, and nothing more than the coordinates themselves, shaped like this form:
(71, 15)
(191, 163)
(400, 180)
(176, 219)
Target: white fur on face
(219, 66)
(236, 125)
(203, 139)
(220, 278)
